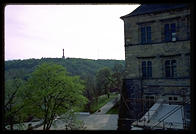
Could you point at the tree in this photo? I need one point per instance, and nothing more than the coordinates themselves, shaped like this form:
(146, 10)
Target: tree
(90, 90)
(104, 81)
(117, 76)
(13, 103)
(51, 92)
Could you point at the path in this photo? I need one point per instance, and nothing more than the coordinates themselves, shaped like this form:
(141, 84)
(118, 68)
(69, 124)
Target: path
(97, 121)
(108, 106)
(102, 121)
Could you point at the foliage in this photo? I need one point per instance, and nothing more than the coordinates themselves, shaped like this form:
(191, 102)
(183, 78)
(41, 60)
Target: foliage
(103, 80)
(51, 92)
(13, 103)
(87, 69)
(75, 66)
(90, 91)
(117, 76)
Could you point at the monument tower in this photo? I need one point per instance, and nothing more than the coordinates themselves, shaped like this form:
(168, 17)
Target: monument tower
(63, 54)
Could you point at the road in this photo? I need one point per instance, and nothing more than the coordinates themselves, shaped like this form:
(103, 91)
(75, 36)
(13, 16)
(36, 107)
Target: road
(97, 121)
(101, 122)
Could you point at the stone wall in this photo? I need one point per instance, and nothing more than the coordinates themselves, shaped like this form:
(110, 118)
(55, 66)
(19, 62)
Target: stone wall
(157, 21)
(158, 51)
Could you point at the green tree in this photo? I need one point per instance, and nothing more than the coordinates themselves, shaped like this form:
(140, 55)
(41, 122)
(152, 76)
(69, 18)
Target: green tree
(104, 81)
(13, 104)
(117, 76)
(90, 90)
(51, 92)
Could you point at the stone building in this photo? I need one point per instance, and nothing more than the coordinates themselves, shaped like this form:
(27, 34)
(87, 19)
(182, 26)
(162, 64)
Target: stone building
(157, 56)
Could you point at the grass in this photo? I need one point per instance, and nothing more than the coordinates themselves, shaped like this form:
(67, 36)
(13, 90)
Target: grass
(102, 100)
(114, 109)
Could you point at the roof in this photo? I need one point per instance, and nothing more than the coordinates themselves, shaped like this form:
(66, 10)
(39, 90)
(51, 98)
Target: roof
(172, 115)
(152, 8)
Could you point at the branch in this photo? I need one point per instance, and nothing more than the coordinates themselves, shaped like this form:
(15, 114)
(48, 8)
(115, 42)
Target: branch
(14, 112)
(11, 99)
(34, 102)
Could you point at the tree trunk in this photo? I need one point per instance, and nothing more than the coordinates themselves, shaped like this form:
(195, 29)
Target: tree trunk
(108, 95)
(11, 126)
(89, 106)
(11, 123)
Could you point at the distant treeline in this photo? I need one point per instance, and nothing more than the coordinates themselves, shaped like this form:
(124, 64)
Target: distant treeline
(75, 66)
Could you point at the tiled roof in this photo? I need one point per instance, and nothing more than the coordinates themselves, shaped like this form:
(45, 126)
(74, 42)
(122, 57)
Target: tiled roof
(151, 8)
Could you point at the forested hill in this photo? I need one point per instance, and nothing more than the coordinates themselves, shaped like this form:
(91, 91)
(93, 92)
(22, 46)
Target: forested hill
(75, 66)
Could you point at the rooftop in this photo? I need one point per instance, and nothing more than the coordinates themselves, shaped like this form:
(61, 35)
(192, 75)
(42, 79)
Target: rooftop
(162, 115)
(152, 8)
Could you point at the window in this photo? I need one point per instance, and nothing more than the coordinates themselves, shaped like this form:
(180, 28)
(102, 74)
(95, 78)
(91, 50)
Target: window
(148, 34)
(146, 69)
(149, 69)
(188, 28)
(170, 68)
(175, 98)
(170, 32)
(170, 98)
(167, 33)
(152, 97)
(145, 35)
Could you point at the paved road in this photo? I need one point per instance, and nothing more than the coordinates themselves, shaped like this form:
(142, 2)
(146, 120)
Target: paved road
(101, 122)
(108, 106)
(92, 122)
(96, 121)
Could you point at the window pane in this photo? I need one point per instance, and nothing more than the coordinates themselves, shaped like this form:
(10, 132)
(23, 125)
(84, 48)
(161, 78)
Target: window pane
(167, 32)
(167, 71)
(151, 97)
(167, 63)
(149, 69)
(143, 35)
(143, 64)
(188, 28)
(173, 67)
(148, 34)
(167, 68)
(149, 63)
(173, 27)
(173, 62)
(144, 69)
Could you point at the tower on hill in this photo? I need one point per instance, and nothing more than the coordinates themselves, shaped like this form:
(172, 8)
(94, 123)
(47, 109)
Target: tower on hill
(63, 54)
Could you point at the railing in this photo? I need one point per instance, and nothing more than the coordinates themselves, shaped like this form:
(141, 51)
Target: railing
(163, 118)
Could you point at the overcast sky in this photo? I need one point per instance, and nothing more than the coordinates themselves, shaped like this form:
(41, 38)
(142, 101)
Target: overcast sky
(84, 31)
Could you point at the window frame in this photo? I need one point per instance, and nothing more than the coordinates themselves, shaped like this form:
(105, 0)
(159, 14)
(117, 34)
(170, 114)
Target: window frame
(170, 68)
(146, 34)
(169, 30)
(175, 98)
(147, 69)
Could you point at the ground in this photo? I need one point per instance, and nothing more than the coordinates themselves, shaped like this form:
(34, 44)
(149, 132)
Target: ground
(97, 121)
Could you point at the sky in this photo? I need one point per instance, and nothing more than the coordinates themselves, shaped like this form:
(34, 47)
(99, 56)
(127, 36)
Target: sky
(83, 31)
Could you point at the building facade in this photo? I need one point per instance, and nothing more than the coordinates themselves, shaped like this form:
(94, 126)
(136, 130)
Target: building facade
(157, 56)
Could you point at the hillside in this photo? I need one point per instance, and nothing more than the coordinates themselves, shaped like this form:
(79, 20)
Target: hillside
(75, 66)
